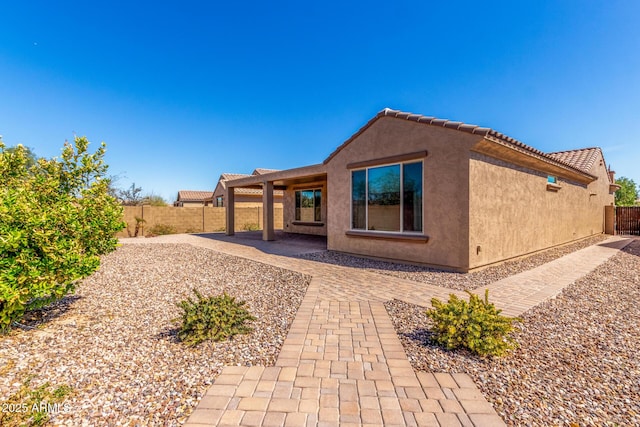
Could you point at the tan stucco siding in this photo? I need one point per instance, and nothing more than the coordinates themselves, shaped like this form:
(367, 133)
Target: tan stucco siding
(445, 192)
(513, 213)
(193, 204)
(289, 210)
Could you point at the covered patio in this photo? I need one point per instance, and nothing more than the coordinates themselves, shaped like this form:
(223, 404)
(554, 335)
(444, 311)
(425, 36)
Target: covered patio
(287, 181)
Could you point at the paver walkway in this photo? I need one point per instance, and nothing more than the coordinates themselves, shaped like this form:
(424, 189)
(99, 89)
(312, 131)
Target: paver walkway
(342, 362)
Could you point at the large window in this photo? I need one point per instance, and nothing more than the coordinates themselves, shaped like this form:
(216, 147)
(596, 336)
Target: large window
(309, 205)
(387, 198)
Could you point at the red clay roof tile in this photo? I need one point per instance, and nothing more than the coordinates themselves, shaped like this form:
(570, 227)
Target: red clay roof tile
(194, 196)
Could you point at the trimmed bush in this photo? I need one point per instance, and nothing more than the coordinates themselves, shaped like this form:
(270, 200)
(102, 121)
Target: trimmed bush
(56, 219)
(476, 325)
(139, 223)
(251, 226)
(161, 230)
(215, 318)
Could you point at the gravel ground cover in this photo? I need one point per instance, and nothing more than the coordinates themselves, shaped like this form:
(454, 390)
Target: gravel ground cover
(579, 356)
(115, 344)
(459, 281)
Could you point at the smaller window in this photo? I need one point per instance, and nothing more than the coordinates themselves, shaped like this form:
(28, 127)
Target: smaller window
(219, 202)
(309, 205)
(552, 183)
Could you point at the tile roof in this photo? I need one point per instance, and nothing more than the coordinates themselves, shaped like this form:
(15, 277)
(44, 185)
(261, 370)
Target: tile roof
(255, 191)
(247, 191)
(262, 171)
(583, 158)
(229, 176)
(194, 195)
(487, 133)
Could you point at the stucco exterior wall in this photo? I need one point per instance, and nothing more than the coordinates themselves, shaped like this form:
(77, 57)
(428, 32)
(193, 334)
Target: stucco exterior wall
(193, 204)
(513, 213)
(290, 207)
(445, 192)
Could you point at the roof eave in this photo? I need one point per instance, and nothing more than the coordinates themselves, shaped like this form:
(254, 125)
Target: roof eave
(433, 121)
(520, 155)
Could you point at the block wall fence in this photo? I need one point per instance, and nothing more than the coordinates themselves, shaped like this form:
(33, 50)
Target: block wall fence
(201, 219)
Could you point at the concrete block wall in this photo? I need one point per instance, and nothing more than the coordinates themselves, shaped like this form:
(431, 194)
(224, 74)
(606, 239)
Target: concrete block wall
(194, 219)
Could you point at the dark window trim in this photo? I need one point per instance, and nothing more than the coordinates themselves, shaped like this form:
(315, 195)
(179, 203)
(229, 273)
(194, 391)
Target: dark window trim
(313, 189)
(411, 160)
(418, 155)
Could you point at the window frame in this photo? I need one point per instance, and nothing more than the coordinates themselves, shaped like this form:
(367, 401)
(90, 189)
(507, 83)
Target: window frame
(401, 207)
(295, 208)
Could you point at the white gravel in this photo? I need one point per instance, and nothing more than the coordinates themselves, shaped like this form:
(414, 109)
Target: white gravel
(114, 341)
(579, 358)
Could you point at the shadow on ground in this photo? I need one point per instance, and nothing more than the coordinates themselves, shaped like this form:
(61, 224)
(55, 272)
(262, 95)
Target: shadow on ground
(34, 318)
(285, 244)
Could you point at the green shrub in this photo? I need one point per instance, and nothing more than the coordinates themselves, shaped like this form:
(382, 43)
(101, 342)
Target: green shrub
(251, 226)
(161, 230)
(476, 325)
(214, 318)
(34, 406)
(139, 223)
(56, 219)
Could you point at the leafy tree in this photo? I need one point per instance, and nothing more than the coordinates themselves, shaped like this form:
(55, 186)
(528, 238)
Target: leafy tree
(628, 192)
(31, 156)
(131, 196)
(56, 219)
(154, 200)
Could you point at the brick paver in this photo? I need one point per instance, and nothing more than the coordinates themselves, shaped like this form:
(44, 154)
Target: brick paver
(342, 362)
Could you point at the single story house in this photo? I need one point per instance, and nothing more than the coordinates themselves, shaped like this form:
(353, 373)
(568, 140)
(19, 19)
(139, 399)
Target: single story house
(193, 198)
(244, 197)
(437, 192)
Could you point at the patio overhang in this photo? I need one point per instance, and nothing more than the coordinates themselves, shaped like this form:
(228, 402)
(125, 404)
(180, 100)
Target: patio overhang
(268, 182)
(282, 179)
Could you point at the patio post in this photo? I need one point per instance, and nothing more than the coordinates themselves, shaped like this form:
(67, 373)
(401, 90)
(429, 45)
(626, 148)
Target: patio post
(267, 211)
(230, 211)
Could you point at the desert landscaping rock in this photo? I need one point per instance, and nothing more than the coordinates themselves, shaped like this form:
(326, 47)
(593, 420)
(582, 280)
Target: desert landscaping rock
(115, 344)
(451, 280)
(578, 361)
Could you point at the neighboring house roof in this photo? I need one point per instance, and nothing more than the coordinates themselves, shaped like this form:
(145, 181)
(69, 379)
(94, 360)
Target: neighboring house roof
(247, 191)
(262, 171)
(485, 132)
(229, 176)
(252, 191)
(226, 176)
(194, 196)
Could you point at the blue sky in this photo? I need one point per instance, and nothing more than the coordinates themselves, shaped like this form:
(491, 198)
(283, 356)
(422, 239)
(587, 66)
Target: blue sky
(183, 91)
